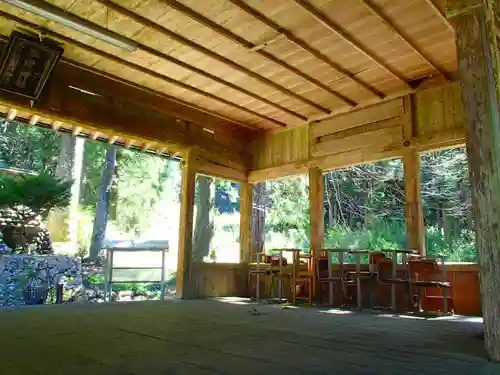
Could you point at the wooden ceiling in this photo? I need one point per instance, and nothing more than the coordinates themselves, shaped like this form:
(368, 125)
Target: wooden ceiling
(262, 64)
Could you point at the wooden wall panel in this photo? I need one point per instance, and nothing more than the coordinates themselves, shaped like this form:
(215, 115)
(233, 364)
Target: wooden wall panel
(382, 136)
(358, 156)
(363, 136)
(440, 117)
(281, 147)
(219, 280)
(367, 135)
(357, 118)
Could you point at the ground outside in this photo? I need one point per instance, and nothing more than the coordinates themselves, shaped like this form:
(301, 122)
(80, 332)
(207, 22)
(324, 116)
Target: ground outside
(231, 336)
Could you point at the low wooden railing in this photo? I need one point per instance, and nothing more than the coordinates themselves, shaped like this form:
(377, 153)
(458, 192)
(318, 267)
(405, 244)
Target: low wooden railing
(230, 279)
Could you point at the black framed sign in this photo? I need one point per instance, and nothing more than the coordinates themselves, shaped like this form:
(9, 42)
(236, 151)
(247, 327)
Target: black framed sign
(27, 64)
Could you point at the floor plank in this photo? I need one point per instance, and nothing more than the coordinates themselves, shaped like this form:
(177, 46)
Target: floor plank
(223, 337)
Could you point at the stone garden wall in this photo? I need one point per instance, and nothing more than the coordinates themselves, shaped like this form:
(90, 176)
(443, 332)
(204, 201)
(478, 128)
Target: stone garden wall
(22, 277)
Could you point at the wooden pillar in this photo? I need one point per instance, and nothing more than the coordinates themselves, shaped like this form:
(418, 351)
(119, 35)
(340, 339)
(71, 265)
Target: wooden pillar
(414, 217)
(316, 216)
(184, 280)
(246, 202)
(477, 47)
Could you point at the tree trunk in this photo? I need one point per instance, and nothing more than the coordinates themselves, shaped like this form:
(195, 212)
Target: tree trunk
(63, 222)
(329, 201)
(204, 226)
(478, 57)
(113, 195)
(101, 214)
(260, 199)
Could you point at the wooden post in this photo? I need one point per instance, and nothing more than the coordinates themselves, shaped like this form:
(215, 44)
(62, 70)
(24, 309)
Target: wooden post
(477, 49)
(184, 282)
(246, 199)
(317, 218)
(415, 228)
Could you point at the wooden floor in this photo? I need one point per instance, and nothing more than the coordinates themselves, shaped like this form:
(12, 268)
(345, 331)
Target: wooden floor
(214, 337)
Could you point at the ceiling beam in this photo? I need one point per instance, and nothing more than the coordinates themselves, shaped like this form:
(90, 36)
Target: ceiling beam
(342, 34)
(90, 80)
(437, 11)
(169, 104)
(256, 48)
(224, 132)
(173, 106)
(112, 112)
(213, 55)
(306, 47)
(152, 73)
(378, 12)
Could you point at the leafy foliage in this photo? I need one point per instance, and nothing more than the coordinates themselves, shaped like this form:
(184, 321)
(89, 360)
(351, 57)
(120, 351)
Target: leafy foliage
(364, 207)
(27, 147)
(40, 192)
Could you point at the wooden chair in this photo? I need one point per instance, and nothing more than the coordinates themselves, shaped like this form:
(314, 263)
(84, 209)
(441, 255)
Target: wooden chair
(262, 269)
(430, 273)
(301, 281)
(326, 275)
(358, 276)
(385, 275)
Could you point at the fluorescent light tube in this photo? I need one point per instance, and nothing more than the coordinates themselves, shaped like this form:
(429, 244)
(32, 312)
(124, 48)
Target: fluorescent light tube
(43, 9)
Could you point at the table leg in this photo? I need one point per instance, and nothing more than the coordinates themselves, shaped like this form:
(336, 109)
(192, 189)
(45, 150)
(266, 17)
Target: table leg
(330, 284)
(280, 280)
(358, 281)
(445, 294)
(394, 273)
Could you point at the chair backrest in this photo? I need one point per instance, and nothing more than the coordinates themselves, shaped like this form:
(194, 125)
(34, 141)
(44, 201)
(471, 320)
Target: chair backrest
(384, 268)
(374, 256)
(322, 264)
(324, 261)
(424, 269)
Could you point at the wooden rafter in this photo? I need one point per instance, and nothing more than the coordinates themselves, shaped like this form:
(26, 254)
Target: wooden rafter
(306, 47)
(207, 52)
(11, 114)
(337, 30)
(220, 81)
(56, 125)
(212, 77)
(256, 48)
(94, 135)
(136, 67)
(432, 4)
(77, 130)
(34, 120)
(375, 9)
